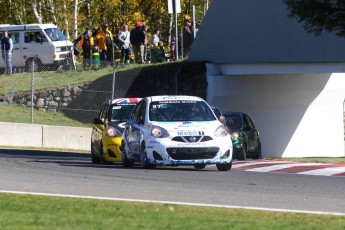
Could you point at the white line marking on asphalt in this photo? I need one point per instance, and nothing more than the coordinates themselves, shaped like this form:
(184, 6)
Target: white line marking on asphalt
(325, 171)
(280, 166)
(177, 203)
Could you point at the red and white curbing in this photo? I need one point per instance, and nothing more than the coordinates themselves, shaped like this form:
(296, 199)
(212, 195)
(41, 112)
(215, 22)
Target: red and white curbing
(319, 169)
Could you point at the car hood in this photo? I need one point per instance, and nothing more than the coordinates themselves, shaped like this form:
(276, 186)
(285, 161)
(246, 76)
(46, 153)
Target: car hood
(189, 128)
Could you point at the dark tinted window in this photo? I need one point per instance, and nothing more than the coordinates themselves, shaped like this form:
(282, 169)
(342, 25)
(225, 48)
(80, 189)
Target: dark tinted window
(180, 110)
(120, 113)
(234, 121)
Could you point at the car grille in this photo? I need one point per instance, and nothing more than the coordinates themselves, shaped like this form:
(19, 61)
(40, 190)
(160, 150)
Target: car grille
(192, 139)
(192, 153)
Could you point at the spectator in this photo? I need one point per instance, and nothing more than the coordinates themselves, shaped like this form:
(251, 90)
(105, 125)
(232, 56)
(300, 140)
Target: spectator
(187, 37)
(124, 38)
(105, 46)
(6, 50)
(161, 56)
(87, 45)
(137, 38)
(155, 38)
(172, 48)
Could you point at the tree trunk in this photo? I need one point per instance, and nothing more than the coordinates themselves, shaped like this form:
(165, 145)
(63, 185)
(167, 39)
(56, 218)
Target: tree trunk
(36, 12)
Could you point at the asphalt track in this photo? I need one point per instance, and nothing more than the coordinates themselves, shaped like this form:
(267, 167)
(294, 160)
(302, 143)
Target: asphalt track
(73, 175)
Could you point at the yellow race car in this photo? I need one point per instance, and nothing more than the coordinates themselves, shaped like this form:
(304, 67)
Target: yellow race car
(106, 136)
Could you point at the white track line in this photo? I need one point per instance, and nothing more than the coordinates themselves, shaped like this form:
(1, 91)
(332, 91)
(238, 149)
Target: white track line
(280, 166)
(177, 203)
(325, 171)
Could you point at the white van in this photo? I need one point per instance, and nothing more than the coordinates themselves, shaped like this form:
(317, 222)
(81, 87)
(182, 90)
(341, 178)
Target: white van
(43, 43)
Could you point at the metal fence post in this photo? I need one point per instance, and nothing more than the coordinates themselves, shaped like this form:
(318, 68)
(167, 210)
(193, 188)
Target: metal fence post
(113, 86)
(32, 90)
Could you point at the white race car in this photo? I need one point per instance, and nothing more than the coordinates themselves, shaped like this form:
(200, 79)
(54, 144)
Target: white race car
(176, 130)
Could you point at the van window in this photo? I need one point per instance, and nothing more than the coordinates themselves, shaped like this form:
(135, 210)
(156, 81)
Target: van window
(13, 35)
(55, 34)
(34, 37)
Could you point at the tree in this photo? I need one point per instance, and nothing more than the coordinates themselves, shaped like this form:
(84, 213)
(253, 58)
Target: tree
(319, 15)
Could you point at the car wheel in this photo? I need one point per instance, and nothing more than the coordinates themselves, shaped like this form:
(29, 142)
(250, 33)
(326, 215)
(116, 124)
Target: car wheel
(242, 154)
(199, 166)
(94, 158)
(125, 161)
(101, 154)
(258, 153)
(144, 160)
(224, 167)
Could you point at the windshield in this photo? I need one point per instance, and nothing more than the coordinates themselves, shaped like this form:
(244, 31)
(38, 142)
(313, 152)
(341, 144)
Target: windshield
(55, 34)
(233, 121)
(180, 110)
(121, 113)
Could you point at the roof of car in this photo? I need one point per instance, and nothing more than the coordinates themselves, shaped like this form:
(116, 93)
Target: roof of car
(175, 97)
(231, 113)
(130, 100)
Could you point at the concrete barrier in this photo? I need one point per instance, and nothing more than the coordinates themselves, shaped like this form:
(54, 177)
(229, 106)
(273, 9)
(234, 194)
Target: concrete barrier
(44, 136)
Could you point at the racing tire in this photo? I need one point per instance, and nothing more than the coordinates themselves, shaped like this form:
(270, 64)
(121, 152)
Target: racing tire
(199, 166)
(258, 153)
(242, 154)
(94, 158)
(224, 167)
(144, 160)
(125, 161)
(101, 155)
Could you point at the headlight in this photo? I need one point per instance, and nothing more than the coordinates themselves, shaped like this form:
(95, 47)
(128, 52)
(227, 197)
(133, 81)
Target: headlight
(58, 49)
(221, 131)
(235, 135)
(113, 132)
(159, 132)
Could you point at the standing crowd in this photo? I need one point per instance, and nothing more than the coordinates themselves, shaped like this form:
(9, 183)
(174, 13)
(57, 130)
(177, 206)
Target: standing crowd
(133, 46)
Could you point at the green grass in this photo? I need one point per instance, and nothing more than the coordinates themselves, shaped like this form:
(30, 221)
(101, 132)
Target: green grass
(22, 114)
(40, 212)
(53, 79)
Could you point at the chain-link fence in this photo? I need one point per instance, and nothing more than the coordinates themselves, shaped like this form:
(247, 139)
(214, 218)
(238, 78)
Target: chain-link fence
(68, 95)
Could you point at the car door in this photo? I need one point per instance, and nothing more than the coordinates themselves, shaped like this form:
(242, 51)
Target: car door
(16, 52)
(251, 133)
(133, 130)
(37, 45)
(99, 127)
(138, 130)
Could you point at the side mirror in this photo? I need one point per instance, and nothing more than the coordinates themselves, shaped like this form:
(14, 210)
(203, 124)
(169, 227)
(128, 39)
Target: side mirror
(97, 121)
(222, 120)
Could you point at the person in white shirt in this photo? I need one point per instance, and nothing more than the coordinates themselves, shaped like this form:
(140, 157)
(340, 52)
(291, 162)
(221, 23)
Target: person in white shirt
(124, 38)
(155, 38)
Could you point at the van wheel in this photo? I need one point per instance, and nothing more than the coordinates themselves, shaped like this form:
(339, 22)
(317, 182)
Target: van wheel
(35, 62)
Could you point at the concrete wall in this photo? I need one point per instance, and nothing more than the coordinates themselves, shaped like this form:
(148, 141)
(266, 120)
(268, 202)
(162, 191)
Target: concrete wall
(298, 115)
(44, 136)
(252, 31)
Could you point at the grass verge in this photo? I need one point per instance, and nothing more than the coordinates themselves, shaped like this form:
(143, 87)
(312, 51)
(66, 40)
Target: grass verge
(39, 212)
(22, 114)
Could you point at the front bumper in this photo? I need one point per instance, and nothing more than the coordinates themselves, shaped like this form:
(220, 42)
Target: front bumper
(164, 151)
(111, 149)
